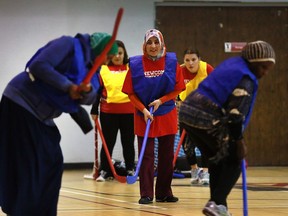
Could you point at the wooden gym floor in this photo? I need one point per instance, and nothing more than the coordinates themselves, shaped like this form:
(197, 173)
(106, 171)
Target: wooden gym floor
(267, 189)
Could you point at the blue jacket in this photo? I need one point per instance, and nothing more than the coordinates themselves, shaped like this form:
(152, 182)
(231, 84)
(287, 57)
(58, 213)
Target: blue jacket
(44, 90)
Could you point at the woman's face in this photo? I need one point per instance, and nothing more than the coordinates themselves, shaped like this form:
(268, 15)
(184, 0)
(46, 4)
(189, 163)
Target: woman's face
(261, 69)
(153, 47)
(191, 62)
(118, 59)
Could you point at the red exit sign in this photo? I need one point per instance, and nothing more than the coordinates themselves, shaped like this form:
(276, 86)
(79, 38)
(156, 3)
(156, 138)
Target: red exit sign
(234, 46)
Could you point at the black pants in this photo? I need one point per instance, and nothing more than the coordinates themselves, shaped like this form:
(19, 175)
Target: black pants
(225, 173)
(110, 124)
(190, 153)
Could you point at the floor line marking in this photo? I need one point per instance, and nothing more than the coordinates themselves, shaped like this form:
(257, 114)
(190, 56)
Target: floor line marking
(116, 200)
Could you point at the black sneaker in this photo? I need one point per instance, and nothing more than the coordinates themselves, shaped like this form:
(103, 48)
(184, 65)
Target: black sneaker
(145, 200)
(167, 199)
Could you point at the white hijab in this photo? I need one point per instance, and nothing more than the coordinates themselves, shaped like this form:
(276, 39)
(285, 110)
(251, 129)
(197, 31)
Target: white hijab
(154, 33)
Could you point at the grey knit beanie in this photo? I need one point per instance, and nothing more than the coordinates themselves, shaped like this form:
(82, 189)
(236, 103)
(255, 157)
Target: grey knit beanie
(258, 51)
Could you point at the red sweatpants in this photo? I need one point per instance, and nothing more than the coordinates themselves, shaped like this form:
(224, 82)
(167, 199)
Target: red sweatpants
(165, 167)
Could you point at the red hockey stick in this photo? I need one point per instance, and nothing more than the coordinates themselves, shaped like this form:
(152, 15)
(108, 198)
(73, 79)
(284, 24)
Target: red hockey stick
(99, 59)
(121, 179)
(179, 146)
(97, 63)
(96, 162)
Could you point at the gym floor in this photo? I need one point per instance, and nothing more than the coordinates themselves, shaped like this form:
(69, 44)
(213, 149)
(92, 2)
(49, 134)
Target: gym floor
(267, 190)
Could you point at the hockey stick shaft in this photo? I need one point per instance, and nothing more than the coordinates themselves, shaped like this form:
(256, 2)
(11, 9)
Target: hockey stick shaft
(244, 188)
(133, 179)
(179, 146)
(96, 162)
(121, 179)
(99, 59)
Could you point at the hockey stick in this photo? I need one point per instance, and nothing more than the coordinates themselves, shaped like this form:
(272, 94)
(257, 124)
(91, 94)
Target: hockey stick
(121, 179)
(99, 59)
(177, 175)
(179, 146)
(133, 179)
(244, 188)
(95, 172)
(97, 63)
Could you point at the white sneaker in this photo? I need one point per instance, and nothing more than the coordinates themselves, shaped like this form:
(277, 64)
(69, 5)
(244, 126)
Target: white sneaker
(204, 177)
(195, 176)
(104, 176)
(130, 173)
(211, 209)
(101, 177)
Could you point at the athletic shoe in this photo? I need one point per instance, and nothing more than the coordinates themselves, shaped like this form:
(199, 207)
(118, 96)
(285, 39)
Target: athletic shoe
(145, 200)
(167, 199)
(104, 176)
(130, 173)
(109, 178)
(204, 177)
(195, 176)
(101, 177)
(211, 209)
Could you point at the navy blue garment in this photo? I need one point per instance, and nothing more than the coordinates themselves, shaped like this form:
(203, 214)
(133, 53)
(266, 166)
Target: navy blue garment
(215, 116)
(44, 90)
(146, 85)
(219, 85)
(31, 163)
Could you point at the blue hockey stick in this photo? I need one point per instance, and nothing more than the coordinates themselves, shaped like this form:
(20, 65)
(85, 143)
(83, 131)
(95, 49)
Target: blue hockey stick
(244, 188)
(133, 179)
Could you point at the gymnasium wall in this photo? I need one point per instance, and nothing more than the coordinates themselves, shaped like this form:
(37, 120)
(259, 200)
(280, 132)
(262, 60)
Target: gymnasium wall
(27, 25)
(209, 27)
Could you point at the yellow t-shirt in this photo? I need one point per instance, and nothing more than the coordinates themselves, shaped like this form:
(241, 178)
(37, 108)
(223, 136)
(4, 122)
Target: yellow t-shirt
(193, 84)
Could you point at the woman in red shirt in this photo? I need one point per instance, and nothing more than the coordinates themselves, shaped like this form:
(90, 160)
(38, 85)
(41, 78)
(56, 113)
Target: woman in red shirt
(194, 71)
(155, 79)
